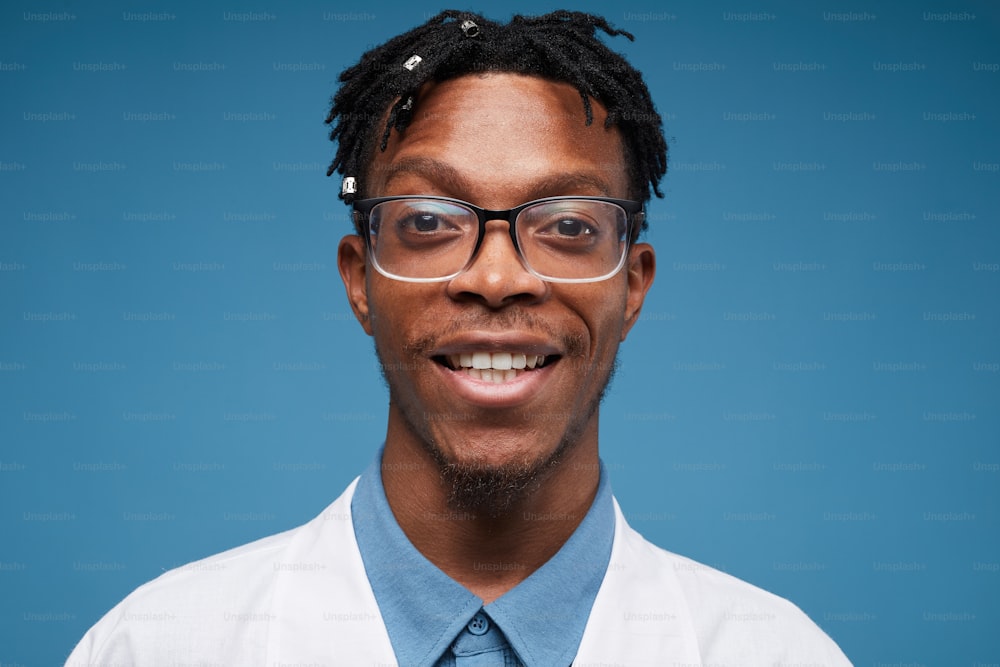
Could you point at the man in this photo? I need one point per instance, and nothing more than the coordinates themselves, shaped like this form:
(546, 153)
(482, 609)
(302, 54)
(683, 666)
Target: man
(497, 174)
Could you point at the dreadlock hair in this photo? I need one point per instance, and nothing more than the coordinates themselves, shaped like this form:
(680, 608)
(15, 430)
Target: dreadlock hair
(561, 46)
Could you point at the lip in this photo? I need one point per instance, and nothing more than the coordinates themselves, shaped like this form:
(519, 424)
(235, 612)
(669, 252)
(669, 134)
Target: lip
(509, 394)
(485, 394)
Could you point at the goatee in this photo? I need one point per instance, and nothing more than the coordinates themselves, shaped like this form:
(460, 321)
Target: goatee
(491, 490)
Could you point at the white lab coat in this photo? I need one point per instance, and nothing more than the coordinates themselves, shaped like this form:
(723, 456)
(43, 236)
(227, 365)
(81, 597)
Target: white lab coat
(302, 598)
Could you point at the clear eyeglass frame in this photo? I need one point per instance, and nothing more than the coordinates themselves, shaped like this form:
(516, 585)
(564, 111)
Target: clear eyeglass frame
(634, 215)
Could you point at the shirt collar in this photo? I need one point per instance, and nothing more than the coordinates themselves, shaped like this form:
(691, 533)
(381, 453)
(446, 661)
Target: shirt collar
(424, 610)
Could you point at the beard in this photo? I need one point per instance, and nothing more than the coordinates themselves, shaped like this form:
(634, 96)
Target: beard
(490, 490)
(493, 490)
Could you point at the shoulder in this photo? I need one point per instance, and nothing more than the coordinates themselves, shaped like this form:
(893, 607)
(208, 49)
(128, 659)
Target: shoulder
(728, 621)
(219, 580)
(223, 606)
(186, 606)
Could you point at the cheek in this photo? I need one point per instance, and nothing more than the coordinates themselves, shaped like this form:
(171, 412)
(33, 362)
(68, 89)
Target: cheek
(387, 318)
(400, 316)
(601, 313)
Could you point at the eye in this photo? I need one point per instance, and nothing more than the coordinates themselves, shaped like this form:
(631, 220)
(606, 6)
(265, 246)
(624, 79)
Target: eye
(571, 227)
(429, 218)
(424, 222)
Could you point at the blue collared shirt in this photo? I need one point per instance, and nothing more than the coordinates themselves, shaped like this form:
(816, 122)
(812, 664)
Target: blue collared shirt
(433, 621)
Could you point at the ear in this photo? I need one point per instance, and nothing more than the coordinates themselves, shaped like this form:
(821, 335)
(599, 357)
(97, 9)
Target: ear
(640, 269)
(353, 271)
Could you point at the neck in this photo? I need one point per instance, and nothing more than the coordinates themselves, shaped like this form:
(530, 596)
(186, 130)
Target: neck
(489, 555)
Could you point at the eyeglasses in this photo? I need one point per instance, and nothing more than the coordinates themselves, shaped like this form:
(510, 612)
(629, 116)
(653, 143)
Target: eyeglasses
(423, 239)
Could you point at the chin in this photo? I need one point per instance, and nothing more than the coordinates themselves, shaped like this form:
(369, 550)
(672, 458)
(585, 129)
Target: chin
(489, 483)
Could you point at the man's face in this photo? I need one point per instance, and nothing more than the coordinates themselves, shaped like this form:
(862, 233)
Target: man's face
(497, 141)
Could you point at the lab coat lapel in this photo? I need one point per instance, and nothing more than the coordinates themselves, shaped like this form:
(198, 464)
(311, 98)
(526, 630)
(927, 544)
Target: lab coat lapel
(324, 604)
(640, 615)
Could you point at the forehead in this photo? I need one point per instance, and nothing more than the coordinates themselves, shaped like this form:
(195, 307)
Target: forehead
(499, 136)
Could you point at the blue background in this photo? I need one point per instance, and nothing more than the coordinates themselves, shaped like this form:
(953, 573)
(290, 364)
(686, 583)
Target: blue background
(810, 401)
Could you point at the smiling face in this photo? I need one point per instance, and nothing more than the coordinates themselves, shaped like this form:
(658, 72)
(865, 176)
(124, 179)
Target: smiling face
(496, 375)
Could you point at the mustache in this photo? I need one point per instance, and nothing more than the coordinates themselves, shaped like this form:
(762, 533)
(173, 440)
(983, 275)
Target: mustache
(500, 322)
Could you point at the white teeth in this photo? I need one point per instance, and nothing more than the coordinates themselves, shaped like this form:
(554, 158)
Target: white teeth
(502, 361)
(481, 360)
(494, 367)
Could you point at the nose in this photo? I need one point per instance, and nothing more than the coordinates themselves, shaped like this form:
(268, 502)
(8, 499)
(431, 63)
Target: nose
(497, 277)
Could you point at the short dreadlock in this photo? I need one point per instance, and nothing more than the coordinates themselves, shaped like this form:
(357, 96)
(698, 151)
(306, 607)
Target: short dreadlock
(561, 46)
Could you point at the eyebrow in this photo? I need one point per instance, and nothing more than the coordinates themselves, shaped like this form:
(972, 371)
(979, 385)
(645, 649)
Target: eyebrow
(443, 173)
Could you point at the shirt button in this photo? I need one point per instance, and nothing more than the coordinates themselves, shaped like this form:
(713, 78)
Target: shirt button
(479, 625)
